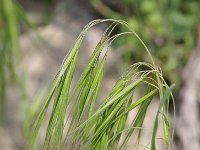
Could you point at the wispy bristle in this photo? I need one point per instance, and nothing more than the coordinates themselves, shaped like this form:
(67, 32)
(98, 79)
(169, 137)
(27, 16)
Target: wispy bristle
(101, 128)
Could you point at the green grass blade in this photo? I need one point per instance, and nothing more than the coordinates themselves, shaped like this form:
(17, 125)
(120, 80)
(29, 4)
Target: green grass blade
(162, 102)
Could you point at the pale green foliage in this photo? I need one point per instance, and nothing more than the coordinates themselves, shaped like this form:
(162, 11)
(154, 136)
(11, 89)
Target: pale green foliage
(11, 17)
(75, 123)
(8, 48)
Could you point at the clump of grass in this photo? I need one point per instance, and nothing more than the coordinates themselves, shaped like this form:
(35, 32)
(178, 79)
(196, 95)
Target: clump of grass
(74, 121)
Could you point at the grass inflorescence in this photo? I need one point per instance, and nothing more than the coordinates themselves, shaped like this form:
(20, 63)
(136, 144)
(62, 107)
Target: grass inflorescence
(75, 122)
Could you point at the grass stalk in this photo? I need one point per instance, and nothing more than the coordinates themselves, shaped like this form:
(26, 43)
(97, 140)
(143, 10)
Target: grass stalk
(101, 128)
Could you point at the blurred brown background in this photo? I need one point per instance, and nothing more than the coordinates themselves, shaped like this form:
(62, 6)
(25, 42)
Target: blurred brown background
(37, 34)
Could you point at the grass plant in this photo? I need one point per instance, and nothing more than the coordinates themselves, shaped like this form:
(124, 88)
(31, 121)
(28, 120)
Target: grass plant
(76, 123)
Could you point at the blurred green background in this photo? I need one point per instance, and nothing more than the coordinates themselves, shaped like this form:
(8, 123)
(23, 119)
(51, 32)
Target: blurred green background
(169, 28)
